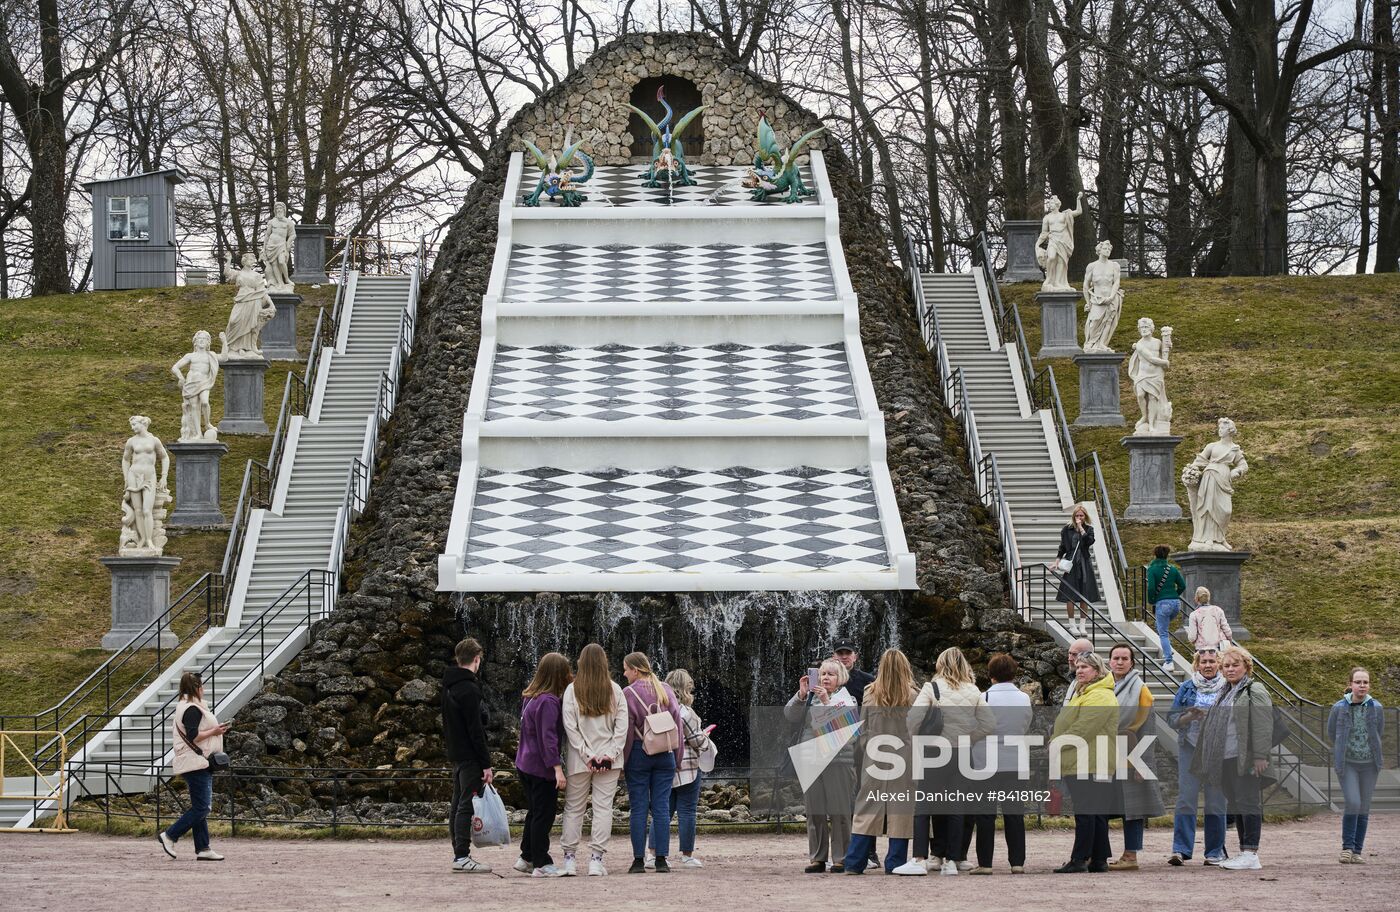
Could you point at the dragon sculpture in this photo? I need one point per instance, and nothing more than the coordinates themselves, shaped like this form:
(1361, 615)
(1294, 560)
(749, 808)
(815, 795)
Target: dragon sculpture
(668, 165)
(557, 178)
(774, 171)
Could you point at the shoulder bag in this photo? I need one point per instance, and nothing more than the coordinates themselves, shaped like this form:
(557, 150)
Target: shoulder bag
(218, 760)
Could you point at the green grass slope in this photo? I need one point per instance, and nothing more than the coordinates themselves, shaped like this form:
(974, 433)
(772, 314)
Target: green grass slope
(73, 368)
(1309, 368)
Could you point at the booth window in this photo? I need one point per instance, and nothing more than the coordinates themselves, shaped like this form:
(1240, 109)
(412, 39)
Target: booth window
(129, 218)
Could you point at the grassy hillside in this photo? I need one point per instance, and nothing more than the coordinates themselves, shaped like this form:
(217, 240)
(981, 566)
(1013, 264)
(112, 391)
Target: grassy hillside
(1309, 368)
(73, 368)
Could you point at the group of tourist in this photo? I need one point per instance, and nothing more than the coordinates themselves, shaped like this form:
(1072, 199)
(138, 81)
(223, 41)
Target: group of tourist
(580, 732)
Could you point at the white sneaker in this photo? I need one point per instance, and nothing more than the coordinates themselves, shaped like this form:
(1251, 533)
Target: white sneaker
(595, 867)
(933, 864)
(649, 862)
(469, 865)
(208, 855)
(166, 843)
(1245, 861)
(548, 870)
(910, 869)
(690, 861)
(570, 867)
(523, 866)
(949, 869)
(965, 866)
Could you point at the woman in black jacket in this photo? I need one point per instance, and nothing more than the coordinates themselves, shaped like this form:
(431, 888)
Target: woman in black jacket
(1077, 585)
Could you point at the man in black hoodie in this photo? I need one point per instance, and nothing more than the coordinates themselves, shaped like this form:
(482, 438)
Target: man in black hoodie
(464, 730)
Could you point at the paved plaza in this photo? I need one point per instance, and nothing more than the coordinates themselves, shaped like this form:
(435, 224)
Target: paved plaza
(754, 873)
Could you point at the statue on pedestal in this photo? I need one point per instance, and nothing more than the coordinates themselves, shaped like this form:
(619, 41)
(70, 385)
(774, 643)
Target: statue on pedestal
(278, 241)
(202, 367)
(1147, 368)
(1210, 489)
(252, 309)
(1055, 245)
(1103, 300)
(146, 493)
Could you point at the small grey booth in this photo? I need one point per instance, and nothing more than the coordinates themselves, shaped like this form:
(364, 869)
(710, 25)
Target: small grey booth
(133, 230)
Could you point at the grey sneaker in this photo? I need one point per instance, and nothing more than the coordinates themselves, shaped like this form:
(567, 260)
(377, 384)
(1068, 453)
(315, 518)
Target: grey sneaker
(470, 865)
(548, 870)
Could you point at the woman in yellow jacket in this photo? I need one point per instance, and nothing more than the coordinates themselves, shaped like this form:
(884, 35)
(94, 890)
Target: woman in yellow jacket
(1091, 717)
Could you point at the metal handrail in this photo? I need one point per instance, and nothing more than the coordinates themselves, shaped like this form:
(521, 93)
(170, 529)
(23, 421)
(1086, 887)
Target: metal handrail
(1008, 319)
(205, 591)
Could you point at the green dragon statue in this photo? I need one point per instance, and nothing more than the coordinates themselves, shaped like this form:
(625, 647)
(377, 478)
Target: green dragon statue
(557, 178)
(774, 171)
(668, 167)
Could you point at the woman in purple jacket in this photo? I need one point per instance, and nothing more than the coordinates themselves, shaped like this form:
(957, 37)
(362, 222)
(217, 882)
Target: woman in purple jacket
(539, 761)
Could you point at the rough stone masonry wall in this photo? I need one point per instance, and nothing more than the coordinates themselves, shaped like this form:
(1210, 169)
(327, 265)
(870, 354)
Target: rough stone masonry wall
(365, 692)
(594, 101)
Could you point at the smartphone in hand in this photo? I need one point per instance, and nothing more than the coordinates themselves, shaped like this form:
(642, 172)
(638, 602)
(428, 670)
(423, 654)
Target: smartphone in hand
(814, 678)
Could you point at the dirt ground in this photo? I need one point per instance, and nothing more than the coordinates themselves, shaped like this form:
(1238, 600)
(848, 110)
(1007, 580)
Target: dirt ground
(752, 873)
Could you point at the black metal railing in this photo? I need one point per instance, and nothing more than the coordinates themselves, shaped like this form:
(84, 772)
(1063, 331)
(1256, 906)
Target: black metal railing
(127, 671)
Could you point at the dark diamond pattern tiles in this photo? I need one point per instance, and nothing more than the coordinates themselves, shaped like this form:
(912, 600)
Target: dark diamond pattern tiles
(713, 272)
(621, 185)
(733, 520)
(671, 382)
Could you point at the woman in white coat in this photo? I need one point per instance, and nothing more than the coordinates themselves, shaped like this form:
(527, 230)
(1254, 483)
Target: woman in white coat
(595, 730)
(953, 690)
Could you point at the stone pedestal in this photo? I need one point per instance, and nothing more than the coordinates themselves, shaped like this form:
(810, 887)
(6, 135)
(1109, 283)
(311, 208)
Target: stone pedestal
(140, 594)
(1151, 479)
(279, 336)
(309, 254)
(197, 484)
(1099, 384)
(243, 396)
(1059, 324)
(1218, 571)
(1020, 252)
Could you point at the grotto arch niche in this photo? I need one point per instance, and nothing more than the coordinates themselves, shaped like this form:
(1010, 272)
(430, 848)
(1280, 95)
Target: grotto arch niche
(682, 95)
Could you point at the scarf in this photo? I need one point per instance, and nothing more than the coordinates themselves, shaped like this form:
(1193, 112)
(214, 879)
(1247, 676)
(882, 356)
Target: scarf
(1207, 685)
(1210, 747)
(1128, 691)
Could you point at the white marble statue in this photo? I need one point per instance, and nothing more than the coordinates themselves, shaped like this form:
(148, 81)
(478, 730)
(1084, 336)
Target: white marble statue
(252, 309)
(1147, 368)
(201, 369)
(146, 493)
(1210, 489)
(1055, 245)
(1103, 300)
(277, 246)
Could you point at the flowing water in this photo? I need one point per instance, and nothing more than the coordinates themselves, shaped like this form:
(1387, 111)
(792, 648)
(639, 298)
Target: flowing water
(744, 649)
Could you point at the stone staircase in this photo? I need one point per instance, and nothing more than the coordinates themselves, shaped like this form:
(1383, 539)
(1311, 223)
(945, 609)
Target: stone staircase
(1034, 480)
(285, 578)
(1036, 487)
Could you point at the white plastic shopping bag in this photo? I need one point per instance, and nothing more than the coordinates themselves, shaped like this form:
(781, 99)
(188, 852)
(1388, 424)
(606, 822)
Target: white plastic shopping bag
(489, 824)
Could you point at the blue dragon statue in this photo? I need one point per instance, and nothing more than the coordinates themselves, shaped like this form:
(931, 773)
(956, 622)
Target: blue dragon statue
(774, 171)
(557, 177)
(668, 165)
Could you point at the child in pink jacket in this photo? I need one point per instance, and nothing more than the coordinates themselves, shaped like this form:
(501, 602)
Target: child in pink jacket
(1207, 626)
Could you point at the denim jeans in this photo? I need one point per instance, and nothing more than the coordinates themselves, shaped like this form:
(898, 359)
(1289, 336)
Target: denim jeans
(1358, 785)
(201, 786)
(649, 794)
(1167, 610)
(858, 853)
(1188, 790)
(685, 799)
